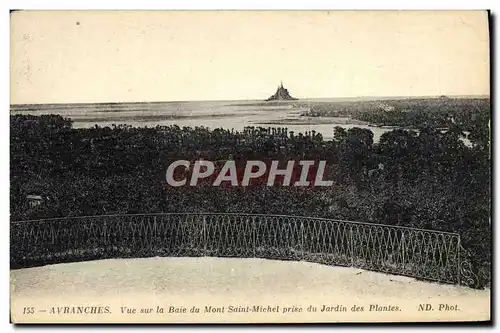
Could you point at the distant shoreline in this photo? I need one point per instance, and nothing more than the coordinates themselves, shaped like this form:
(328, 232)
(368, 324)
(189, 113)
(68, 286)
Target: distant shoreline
(317, 121)
(252, 101)
(146, 118)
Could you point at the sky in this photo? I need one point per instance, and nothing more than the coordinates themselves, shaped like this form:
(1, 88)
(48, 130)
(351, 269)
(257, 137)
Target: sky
(73, 57)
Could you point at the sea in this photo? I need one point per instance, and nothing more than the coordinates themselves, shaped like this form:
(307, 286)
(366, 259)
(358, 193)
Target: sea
(212, 114)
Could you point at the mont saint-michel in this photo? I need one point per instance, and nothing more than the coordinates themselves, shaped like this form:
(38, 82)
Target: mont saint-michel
(281, 94)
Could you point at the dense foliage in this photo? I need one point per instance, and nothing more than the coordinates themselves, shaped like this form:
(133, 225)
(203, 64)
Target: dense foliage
(469, 114)
(427, 178)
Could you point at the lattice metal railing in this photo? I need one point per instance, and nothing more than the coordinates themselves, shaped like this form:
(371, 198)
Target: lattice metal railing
(426, 254)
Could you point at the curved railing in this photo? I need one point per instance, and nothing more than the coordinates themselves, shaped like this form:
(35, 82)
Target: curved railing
(425, 254)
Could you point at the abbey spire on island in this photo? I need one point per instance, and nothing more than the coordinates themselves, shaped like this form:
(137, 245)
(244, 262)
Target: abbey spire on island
(281, 94)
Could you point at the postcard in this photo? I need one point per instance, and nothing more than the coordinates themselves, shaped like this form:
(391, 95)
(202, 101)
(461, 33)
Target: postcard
(250, 167)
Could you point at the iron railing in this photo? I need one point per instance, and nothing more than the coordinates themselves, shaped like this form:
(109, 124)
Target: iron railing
(420, 253)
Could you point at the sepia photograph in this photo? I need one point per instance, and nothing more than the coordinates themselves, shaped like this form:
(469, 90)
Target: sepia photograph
(250, 166)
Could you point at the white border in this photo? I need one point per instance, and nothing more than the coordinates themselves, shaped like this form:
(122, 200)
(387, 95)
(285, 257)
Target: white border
(255, 4)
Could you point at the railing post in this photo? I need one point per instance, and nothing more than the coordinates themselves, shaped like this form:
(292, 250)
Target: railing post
(254, 236)
(352, 245)
(302, 246)
(459, 248)
(403, 246)
(204, 234)
(250, 221)
(52, 233)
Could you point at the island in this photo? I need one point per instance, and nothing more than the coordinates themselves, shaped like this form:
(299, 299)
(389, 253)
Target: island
(281, 94)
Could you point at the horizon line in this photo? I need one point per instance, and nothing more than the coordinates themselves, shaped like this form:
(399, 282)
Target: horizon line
(262, 100)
